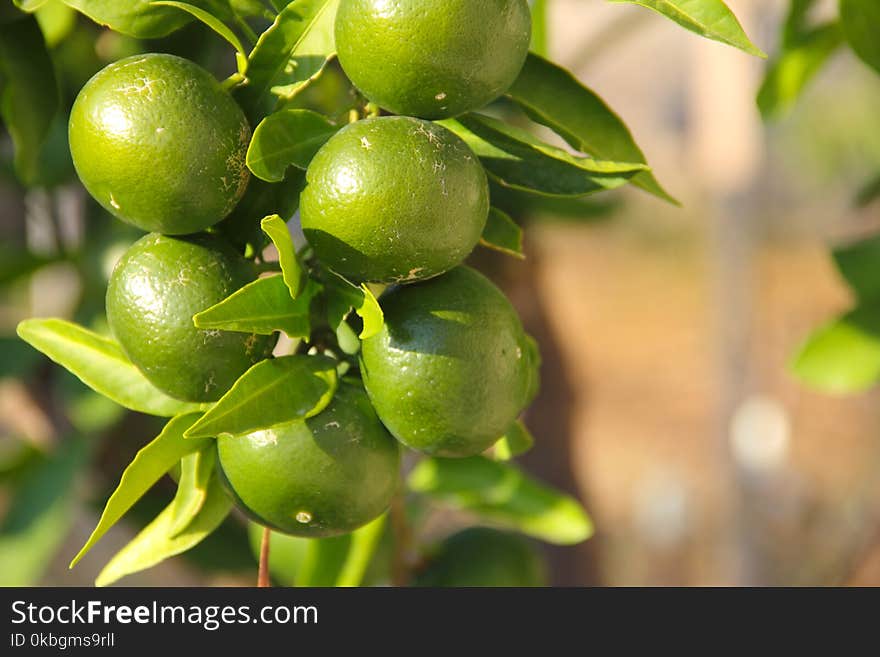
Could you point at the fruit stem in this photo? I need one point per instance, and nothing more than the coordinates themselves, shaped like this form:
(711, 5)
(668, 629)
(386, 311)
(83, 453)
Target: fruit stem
(263, 574)
(400, 564)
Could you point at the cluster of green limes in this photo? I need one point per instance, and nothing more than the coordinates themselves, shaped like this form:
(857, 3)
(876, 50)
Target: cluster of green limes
(398, 200)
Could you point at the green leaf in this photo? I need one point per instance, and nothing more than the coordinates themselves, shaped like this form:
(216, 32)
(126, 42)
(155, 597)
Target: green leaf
(99, 363)
(340, 561)
(516, 159)
(364, 543)
(148, 466)
(711, 19)
(291, 52)
(156, 543)
(196, 470)
(343, 296)
(861, 25)
(857, 264)
(503, 234)
(539, 27)
(503, 494)
(518, 440)
(270, 393)
(798, 63)
(869, 193)
(137, 18)
(56, 20)
(843, 356)
(29, 5)
(796, 24)
(30, 99)
(292, 271)
(208, 19)
(263, 307)
(555, 98)
(285, 138)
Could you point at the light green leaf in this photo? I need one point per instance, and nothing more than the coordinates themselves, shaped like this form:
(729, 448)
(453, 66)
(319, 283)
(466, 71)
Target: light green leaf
(518, 440)
(539, 27)
(147, 467)
(340, 561)
(137, 18)
(364, 543)
(292, 271)
(263, 307)
(843, 356)
(29, 5)
(29, 99)
(270, 393)
(292, 51)
(196, 471)
(342, 296)
(857, 264)
(503, 494)
(56, 21)
(99, 363)
(861, 25)
(502, 233)
(156, 543)
(208, 19)
(555, 98)
(287, 138)
(708, 18)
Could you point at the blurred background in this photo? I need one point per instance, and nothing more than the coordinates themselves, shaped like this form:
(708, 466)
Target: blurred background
(666, 332)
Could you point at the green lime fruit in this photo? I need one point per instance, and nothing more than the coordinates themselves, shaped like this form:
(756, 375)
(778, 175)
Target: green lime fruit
(324, 476)
(451, 368)
(429, 58)
(394, 199)
(156, 288)
(159, 144)
(482, 557)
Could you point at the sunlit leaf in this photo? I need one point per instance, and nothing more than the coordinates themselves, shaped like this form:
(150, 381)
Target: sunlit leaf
(291, 269)
(518, 440)
(287, 138)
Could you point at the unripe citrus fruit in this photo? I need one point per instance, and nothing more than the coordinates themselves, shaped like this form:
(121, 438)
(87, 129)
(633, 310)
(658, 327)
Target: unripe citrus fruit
(159, 144)
(323, 476)
(432, 58)
(452, 367)
(394, 199)
(480, 556)
(156, 288)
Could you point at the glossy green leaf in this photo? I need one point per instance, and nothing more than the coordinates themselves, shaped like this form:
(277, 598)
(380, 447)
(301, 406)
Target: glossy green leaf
(137, 18)
(343, 296)
(798, 63)
(504, 495)
(148, 466)
(287, 138)
(270, 393)
(291, 269)
(711, 19)
(503, 234)
(516, 159)
(99, 363)
(156, 543)
(29, 100)
(518, 440)
(196, 471)
(861, 25)
(289, 52)
(857, 264)
(555, 98)
(843, 356)
(208, 19)
(263, 307)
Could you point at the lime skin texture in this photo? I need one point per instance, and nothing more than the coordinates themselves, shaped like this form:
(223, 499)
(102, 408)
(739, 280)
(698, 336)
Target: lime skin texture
(159, 144)
(156, 288)
(483, 557)
(430, 58)
(394, 200)
(452, 368)
(323, 476)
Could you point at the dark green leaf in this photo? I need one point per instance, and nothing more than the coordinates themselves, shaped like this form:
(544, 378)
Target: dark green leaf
(208, 19)
(147, 467)
(285, 138)
(708, 18)
(262, 307)
(843, 356)
(857, 264)
(503, 494)
(99, 363)
(518, 440)
(294, 276)
(30, 98)
(861, 25)
(343, 296)
(502, 233)
(196, 470)
(555, 98)
(270, 393)
(156, 543)
(137, 18)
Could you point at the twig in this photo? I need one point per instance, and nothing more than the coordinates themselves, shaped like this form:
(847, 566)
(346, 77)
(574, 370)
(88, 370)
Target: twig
(263, 575)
